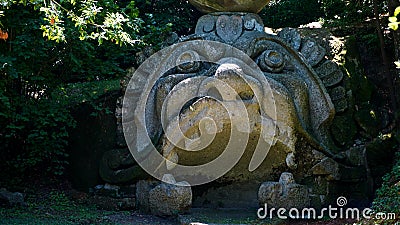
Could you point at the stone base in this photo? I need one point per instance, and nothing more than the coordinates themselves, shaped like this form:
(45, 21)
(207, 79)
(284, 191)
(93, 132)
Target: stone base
(164, 199)
(284, 194)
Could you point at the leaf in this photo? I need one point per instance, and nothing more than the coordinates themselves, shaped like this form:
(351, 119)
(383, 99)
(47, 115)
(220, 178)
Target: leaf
(3, 35)
(392, 19)
(397, 11)
(397, 63)
(394, 26)
(75, 60)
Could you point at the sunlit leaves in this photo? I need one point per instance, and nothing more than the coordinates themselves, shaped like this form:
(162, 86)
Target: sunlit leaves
(53, 28)
(99, 20)
(393, 23)
(397, 63)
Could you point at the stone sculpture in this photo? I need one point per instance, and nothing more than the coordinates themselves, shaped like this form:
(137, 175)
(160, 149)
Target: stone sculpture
(289, 94)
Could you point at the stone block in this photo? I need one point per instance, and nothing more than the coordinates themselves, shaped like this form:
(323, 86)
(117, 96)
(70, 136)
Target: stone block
(284, 194)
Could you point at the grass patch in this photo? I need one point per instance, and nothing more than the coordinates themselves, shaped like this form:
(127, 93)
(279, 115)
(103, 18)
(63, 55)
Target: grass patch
(55, 208)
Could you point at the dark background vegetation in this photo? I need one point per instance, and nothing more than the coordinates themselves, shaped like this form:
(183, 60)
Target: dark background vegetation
(42, 80)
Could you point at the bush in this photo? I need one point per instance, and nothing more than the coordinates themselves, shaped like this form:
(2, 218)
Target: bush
(388, 196)
(291, 13)
(179, 14)
(37, 79)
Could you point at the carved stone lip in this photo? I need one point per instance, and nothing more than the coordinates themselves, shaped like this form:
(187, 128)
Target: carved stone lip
(209, 6)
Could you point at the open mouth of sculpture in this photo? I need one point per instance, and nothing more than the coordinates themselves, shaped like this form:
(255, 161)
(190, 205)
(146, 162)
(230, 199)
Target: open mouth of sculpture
(223, 114)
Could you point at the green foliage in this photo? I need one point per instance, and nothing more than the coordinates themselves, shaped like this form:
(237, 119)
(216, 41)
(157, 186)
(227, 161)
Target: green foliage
(388, 196)
(61, 53)
(344, 13)
(98, 20)
(291, 13)
(44, 137)
(361, 87)
(177, 13)
(38, 79)
(76, 93)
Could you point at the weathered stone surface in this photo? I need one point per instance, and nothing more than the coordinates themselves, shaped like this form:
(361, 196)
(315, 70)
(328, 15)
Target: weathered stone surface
(291, 161)
(208, 6)
(356, 155)
(328, 167)
(272, 61)
(330, 74)
(308, 109)
(143, 188)
(284, 194)
(291, 36)
(163, 199)
(312, 51)
(189, 118)
(171, 198)
(228, 27)
(318, 156)
(207, 107)
(11, 199)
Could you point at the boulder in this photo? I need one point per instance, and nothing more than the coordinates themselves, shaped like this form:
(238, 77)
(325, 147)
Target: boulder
(284, 194)
(143, 188)
(169, 199)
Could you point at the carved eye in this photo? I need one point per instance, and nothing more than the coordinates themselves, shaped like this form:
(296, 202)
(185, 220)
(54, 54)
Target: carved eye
(271, 61)
(188, 62)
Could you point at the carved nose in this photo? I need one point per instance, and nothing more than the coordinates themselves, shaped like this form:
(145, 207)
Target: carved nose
(227, 69)
(231, 83)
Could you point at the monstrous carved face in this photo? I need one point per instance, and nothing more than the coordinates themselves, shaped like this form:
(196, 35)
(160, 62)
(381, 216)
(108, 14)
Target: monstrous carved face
(188, 102)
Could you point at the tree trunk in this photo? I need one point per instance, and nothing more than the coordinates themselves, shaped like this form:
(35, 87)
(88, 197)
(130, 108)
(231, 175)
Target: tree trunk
(385, 60)
(392, 5)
